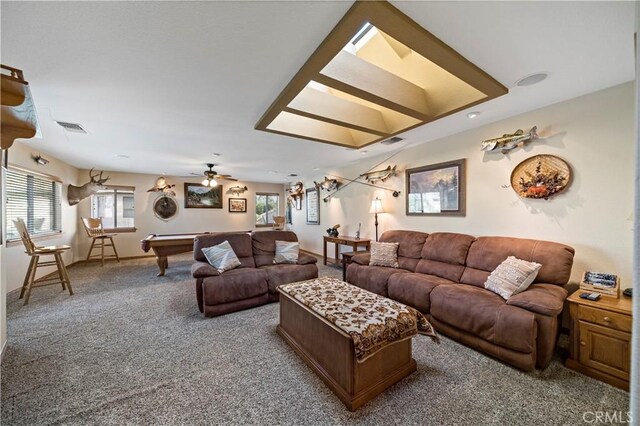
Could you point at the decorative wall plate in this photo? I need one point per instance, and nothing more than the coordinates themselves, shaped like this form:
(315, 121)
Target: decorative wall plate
(165, 207)
(541, 176)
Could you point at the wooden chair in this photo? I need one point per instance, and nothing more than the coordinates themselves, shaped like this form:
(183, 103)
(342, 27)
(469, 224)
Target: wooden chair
(94, 229)
(36, 252)
(278, 223)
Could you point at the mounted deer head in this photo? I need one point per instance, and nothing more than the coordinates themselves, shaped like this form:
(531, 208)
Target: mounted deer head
(77, 193)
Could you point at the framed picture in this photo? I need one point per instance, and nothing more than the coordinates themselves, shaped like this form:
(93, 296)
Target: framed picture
(237, 205)
(436, 190)
(313, 206)
(299, 203)
(197, 196)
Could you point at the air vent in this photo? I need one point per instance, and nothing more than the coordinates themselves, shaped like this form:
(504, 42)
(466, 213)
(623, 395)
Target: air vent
(392, 141)
(72, 127)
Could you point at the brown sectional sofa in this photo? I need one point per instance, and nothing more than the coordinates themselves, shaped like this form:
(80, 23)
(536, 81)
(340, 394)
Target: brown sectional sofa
(254, 282)
(443, 275)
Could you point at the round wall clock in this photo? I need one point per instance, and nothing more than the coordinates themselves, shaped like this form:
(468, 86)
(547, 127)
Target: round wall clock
(541, 176)
(165, 207)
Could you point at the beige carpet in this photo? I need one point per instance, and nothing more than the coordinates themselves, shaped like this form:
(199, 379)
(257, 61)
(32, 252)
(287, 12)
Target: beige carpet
(131, 348)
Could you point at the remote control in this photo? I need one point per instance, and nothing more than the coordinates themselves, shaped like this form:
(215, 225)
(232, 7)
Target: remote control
(590, 296)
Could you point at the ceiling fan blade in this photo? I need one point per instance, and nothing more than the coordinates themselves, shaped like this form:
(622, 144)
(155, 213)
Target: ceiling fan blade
(227, 177)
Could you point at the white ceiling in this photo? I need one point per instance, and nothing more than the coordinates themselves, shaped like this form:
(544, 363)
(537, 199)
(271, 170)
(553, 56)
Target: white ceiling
(169, 83)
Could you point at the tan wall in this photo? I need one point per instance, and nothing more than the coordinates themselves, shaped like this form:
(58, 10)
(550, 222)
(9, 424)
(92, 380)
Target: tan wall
(593, 133)
(13, 257)
(187, 220)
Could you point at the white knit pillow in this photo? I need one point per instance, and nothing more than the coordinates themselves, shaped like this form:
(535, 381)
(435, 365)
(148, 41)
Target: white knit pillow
(512, 276)
(286, 252)
(384, 254)
(222, 257)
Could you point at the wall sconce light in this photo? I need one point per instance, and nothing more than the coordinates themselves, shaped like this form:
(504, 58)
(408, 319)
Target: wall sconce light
(40, 160)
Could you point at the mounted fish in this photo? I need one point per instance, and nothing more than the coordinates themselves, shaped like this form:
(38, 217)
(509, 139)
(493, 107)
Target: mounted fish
(295, 191)
(508, 142)
(379, 175)
(77, 193)
(162, 186)
(327, 184)
(237, 190)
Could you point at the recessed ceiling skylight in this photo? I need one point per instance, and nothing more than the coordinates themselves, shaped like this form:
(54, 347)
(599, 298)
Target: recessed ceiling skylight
(377, 74)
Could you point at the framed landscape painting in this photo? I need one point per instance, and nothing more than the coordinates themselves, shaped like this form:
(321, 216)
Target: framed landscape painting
(436, 190)
(237, 205)
(197, 196)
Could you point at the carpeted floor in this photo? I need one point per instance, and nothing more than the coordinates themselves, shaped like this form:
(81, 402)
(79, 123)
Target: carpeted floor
(130, 348)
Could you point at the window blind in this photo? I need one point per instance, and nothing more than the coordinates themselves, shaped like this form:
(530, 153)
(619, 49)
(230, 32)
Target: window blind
(35, 199)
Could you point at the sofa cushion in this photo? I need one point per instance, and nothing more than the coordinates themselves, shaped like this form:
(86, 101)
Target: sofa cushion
(484, 314)
(306, 259)
(372, 278)
(237, 284)
(221, 257)
(414, 289)
(239, 241)
(486, 253)
(444, 254)
(286, 252)
(544, 299)
(264, 245)
(410, 242)
(384, 254)
(511, 277)
(407, 263)
(287, 273)
(203, 270)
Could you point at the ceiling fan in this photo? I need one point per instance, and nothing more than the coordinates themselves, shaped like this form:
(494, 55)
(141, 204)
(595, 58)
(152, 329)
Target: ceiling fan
(211, 177)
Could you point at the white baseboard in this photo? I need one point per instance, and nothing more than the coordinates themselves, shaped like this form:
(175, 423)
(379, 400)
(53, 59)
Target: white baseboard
(4, 346)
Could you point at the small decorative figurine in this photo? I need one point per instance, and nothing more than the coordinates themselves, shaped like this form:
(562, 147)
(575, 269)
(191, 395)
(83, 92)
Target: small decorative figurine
(358, 231)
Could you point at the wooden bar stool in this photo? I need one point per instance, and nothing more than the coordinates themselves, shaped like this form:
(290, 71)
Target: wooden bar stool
(36, 252)
(94, 229)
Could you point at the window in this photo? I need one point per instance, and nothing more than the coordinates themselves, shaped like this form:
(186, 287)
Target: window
(267, 206)
(116, 207)
(35, 199)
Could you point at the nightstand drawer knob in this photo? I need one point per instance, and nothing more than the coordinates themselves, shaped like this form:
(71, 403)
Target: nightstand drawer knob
(607, 319)
(583, 343)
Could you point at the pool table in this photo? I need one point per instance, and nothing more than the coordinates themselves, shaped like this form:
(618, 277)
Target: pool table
(164, 245)
(168, 244)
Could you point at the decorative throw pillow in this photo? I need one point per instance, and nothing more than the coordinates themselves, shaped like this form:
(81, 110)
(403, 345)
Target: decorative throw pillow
(286, 252)
(222, 257)
(384, 254)
(512, 276)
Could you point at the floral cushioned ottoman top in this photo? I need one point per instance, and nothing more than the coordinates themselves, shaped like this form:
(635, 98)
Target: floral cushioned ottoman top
(372, 321)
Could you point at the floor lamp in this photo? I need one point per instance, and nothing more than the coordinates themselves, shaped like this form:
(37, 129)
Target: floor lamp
(376, 207)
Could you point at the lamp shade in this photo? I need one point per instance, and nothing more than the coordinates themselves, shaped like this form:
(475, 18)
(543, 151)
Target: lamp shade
(376, 206)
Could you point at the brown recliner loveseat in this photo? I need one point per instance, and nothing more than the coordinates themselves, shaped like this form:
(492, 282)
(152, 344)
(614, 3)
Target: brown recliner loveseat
(254, 282)
(443, 276)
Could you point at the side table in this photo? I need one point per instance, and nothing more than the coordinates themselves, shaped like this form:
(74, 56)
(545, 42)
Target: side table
(600, 341)
(343, 241)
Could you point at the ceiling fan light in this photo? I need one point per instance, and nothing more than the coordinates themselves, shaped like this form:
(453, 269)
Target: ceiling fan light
(213, 183)
(205, 182)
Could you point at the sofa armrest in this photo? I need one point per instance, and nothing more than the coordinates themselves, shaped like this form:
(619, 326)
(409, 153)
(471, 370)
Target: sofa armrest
(203, 270)
(361, 259)
(306, 259)
(544, 299)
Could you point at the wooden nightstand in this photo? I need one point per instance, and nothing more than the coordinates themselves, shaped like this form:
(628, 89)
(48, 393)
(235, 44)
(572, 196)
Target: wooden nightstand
(346, 260)
(600, 342)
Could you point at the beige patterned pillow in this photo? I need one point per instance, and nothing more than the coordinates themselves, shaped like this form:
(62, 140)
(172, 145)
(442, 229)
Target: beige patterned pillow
(512, 276)
(384, 254)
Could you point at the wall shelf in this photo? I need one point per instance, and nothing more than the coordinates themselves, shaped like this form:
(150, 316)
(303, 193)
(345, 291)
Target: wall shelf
(19, 120)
